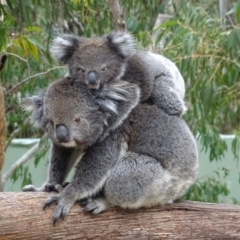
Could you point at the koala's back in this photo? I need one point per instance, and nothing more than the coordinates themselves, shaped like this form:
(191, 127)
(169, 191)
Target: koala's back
(138, 72)
(163, 137)
(145, 67)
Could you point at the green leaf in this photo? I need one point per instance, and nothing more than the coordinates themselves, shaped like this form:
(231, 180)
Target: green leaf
(32, 29)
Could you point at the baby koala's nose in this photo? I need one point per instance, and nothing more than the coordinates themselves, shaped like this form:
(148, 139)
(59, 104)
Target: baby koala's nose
(92, 79)
(62, 133)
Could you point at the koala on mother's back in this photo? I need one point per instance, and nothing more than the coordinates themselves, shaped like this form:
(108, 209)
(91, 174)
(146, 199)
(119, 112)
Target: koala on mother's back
(135, 156)
(98, 61)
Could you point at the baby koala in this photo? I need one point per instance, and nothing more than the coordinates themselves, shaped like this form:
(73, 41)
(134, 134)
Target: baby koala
(139, 157)
(98, 61)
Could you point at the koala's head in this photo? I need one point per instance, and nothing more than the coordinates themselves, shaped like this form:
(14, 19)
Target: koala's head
(72, 117)
(94, 61)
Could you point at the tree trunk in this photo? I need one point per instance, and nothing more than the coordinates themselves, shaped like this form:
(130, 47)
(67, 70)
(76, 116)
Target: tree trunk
(2, 123)
(22, 217)
(117, 15)
(223, 9)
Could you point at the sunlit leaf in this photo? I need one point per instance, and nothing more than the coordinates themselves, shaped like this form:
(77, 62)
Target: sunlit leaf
(32, 29)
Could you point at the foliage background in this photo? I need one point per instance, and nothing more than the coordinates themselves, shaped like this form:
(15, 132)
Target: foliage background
(205, 48)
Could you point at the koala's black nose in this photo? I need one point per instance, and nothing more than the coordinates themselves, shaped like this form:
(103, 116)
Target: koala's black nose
(92, 78)
(62, 133)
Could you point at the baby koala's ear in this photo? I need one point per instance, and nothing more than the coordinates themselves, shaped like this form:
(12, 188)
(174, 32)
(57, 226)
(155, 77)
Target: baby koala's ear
(122, 43)
(64, 46)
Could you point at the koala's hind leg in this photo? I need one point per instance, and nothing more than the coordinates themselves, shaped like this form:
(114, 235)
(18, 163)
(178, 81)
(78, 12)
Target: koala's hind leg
(167, 98)
(140, 181)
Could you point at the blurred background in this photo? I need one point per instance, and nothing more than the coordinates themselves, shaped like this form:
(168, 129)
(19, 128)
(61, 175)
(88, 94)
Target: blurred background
(201, 37)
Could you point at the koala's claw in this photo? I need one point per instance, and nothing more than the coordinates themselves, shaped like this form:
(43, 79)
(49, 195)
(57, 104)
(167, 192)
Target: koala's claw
(50, 200)
(63, 206)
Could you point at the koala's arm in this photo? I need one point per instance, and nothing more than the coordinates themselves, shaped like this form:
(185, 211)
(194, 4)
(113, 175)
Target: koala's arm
(166, 97)
(91, 174)
(160, 78)
(60, 163)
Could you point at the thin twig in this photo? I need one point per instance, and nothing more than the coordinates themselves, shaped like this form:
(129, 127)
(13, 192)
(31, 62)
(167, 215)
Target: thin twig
(14, 134)
(77, 23)
(228, 17)
(33, 76)
(26, 157)
(22, 59)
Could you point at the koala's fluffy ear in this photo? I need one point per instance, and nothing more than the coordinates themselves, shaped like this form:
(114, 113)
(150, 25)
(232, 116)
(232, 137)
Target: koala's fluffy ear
(64, 46)
(121, 42)
(35, 104)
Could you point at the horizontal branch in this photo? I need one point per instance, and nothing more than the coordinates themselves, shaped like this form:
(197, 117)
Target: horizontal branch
(15, 88)
(22, 217)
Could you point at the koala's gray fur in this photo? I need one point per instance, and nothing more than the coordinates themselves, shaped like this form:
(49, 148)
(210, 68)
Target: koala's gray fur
(136, 156)
(100, 60)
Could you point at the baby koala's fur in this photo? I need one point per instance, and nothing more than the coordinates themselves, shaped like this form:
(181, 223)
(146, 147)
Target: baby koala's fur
(98, 61)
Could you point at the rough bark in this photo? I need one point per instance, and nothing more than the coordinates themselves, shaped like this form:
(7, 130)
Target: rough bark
(22, 217)
(2, 123)
(117, 15)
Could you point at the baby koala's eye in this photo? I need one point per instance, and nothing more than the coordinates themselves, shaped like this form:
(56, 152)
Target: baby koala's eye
(50, 122)
(77, 120)
(103, 69)
(82, 69)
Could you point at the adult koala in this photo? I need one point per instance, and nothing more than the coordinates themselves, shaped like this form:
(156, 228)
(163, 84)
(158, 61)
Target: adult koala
(100, 60)
(136, 156)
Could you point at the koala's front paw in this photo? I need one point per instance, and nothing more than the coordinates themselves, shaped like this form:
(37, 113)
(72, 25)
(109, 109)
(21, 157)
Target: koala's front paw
(47, 187)
(95, 206)
(64, 202)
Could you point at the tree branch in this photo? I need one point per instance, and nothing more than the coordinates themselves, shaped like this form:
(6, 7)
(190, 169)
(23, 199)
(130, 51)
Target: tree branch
(22, 59)
(117, 15)
(22, 217)
(28, 78)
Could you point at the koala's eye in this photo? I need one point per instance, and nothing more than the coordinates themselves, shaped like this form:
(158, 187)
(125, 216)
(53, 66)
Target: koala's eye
(51, 122)
(103, 69)
(81, 69)
(77, 120)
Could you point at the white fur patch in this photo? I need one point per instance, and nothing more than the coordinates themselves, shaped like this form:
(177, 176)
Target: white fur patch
(59, 47)
(30, 104)
(123, 70)
(70, 144)
(124, 116)
(28, 107)
(125, 42)
(115, 96)
(120, 86)
(111, 106)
